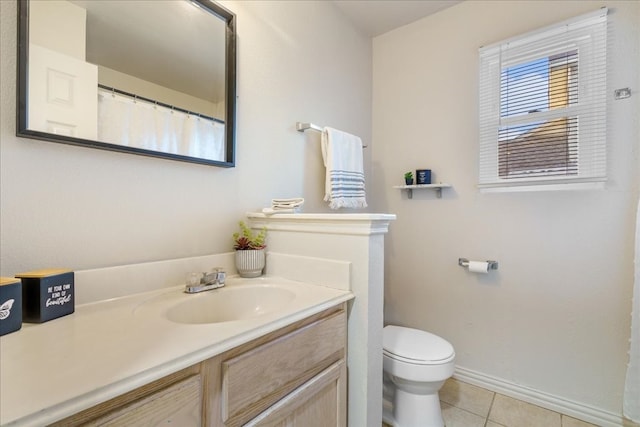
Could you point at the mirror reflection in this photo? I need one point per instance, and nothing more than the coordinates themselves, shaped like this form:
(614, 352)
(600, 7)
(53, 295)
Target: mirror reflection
(148, 77)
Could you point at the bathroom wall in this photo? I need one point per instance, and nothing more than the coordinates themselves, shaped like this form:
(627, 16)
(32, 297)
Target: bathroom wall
(555, 317)
(65, 206)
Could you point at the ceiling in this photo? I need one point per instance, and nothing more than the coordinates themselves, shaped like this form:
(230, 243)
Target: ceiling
(170, 43)
(136, 42)
(375, 17)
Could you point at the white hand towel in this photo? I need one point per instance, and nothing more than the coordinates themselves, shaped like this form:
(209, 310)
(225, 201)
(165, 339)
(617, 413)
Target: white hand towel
(278, 207)
(291, 205)
(293, 200)
(287, 203)
(344, 185)
(271, 211)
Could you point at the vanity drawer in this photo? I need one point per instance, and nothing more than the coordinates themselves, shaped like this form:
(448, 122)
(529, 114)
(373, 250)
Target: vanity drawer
(175, 399)
(256, 379)
(179, 404)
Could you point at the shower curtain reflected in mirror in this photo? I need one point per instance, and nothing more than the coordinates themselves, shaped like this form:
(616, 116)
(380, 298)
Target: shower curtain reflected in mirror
(140, 124)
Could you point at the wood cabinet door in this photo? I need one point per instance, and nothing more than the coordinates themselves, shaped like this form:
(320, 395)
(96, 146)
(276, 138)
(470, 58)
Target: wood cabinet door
(258, 378)
(320, 402)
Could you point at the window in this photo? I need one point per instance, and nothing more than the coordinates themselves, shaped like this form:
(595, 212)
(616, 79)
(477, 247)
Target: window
(543, 108)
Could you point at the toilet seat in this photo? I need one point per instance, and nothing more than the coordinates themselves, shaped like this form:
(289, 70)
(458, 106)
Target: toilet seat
(415, 346)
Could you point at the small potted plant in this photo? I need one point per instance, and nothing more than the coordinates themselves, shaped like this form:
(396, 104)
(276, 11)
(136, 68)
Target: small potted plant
(250, 250)
(408, 178)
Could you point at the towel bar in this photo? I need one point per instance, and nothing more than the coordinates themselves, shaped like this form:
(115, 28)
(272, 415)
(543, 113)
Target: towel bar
(302, 126)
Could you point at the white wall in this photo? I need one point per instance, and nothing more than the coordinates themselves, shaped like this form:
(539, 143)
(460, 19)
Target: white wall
(555, 316)
(85, 208)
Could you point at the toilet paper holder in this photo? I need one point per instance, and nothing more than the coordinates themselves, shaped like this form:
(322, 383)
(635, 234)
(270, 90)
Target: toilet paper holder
(464, 262)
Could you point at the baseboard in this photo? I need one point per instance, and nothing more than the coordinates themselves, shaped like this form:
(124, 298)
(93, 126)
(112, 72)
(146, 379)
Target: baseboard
(555, 403)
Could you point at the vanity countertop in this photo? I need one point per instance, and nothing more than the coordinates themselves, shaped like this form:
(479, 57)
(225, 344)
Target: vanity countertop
(52, 370)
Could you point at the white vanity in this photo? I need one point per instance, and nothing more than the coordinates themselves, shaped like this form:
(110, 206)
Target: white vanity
(125, 362)
(276, 350)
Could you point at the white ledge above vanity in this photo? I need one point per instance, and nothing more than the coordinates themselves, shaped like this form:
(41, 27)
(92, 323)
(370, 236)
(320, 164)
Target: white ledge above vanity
(329, 223)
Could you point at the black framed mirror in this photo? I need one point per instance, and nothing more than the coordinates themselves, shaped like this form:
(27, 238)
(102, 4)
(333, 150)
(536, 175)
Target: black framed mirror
(154, 78)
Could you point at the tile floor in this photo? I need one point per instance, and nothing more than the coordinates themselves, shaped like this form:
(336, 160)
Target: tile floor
(466, 405)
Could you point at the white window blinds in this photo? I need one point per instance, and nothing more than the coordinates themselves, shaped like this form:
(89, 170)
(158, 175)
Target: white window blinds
(543, 107)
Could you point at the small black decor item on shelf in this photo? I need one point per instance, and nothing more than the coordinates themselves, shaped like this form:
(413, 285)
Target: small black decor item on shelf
(423, 176)
(408, 178)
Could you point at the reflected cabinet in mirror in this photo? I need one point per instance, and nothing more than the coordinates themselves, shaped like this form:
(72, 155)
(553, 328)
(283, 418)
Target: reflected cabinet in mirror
(155, 78)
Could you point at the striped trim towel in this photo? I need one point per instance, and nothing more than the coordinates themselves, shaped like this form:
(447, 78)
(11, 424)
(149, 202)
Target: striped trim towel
(344, 185)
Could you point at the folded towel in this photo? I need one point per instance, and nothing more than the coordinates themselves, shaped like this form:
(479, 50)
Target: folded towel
(344, 185)
(287, 203)
(291, 205)
(293, 200)
(271, 211)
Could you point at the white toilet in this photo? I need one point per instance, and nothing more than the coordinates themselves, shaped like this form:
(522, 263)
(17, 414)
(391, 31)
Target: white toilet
(416, 365)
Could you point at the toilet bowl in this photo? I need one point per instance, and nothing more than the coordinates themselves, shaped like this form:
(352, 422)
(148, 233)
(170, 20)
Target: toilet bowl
(416, 364)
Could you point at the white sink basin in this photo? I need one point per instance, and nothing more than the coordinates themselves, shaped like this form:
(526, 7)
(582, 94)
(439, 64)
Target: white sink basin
(229, 304)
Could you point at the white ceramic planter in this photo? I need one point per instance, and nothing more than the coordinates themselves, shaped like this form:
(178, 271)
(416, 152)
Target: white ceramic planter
(250, 263)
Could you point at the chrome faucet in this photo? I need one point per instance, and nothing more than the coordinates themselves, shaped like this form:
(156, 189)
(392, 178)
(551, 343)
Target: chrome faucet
(213, 280)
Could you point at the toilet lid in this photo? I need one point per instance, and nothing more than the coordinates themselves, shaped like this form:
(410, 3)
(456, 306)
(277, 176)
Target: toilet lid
(415, 345)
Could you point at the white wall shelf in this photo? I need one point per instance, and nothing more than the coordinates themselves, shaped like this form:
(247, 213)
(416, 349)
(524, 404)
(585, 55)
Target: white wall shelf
(436, 187)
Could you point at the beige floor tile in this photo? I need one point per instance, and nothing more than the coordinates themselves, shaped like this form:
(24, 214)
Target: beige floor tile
(515, 413)
(568, 421)
(456, 417)
(466, 396)
(492, 424)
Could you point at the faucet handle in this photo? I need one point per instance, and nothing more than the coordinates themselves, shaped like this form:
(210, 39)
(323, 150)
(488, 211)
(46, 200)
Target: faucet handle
(222, 275)
(216, 275)
(193, 279)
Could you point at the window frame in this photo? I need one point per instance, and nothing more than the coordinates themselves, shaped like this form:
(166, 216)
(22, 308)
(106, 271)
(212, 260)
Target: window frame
(585, 35)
